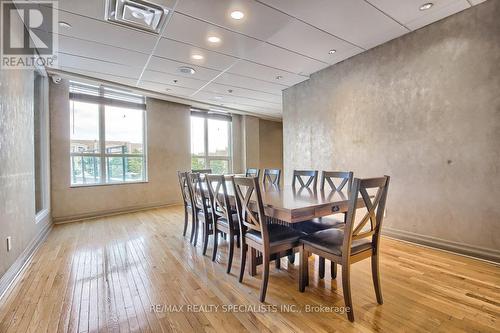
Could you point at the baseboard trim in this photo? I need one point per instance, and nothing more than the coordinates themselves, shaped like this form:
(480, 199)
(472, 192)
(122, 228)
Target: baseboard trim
(112, 212)
(454, 247)
(10, 276)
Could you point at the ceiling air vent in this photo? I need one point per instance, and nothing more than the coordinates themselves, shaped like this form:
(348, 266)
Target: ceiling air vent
(137, 14)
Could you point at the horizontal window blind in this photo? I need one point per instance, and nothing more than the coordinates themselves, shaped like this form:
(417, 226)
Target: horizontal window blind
(104, 95)
(211, 115)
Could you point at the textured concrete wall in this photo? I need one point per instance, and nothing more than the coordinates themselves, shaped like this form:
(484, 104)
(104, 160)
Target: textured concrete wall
(271, 144)
(168, 126)
(17, 186)
(424, 109)
(250, 126)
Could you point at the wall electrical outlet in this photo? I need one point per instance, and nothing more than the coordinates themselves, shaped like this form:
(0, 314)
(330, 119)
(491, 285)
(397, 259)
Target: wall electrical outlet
(9, 244)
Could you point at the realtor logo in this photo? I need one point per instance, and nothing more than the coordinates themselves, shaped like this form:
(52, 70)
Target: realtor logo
(27, 36)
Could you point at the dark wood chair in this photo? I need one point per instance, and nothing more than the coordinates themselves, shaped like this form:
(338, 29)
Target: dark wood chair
(225, 219)
(252, 172)
(257, 234)
(202, 171)
(187, 201)
(271, 176)
(358, 240)
(311, 178)
(203, 213)
(336, 181)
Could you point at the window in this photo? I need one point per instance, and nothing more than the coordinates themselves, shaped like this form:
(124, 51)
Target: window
(107, 135)
(41, 146)
(211, 142)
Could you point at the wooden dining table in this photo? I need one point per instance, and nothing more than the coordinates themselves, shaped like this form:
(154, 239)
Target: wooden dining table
(290, 205)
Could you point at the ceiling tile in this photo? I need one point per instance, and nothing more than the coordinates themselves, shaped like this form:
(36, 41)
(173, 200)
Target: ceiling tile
(182, 52)
(312, 42)
(222, 92)
(168, 79)
(172, 67)
(106, 33)
(476, 2)
(438, 14)
(86, 64)
(353, 20)
(195, 32)
(265, 73)
(259, 21)
(102, 52)
(166, 89)
(407, 11)
(249, 83)
(101, 76)
(238, 102)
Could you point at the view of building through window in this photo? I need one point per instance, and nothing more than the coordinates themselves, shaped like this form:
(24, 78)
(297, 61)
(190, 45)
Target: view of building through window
(211, 143)
(107, 138)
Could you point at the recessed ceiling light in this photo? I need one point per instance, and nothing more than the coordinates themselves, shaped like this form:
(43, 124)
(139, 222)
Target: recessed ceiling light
(213, 39)
(65, 25)
(218, 97)
(332, 51)
(426, 6)
(237, 15)
(186, 70)
(279, 77)
(230, 91)
(167, 89)
(197, 56)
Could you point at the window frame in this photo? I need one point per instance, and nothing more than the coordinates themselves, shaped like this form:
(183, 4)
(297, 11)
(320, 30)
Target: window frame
(206, 156)
(101, 103)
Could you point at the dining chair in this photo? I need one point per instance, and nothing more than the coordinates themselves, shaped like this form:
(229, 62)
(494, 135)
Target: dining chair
(257, 234)
(271, 176)
(312, 178)
(358, 240)
(225, 220)
(203, 214)
(201, 171)
(187, 201)
(252, 172)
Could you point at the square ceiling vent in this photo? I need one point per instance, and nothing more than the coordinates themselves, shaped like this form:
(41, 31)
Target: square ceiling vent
(138, 14)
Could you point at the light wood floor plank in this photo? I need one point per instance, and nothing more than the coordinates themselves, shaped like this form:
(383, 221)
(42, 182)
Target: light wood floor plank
(105, 274)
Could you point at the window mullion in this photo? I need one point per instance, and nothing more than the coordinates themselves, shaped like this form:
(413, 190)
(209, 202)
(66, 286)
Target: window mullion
(102, 138)
(207, 165)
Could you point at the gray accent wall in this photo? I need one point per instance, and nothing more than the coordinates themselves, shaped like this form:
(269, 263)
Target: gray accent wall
(17, 173)
(424, 109)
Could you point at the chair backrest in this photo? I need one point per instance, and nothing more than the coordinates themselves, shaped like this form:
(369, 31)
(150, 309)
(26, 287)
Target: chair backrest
(185, 188)
(271, 176)
(250, 213)
(330, 177)
(312, 178)
(221, 206)
(198, 193)
(252, 172)
(374, 206)
(202, 171)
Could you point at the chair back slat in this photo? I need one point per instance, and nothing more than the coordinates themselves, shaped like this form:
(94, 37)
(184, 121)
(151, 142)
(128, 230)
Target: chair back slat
(185, 188)
(329, 177)
(221, 206)
(198, 192)
(252, 172)
(250, 215)
(271, 176)
(374, 206)
(311, 178)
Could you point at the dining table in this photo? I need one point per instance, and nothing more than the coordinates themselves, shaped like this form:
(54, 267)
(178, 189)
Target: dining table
(290, 205)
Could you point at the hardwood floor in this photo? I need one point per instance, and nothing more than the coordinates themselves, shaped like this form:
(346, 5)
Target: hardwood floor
(106, 274)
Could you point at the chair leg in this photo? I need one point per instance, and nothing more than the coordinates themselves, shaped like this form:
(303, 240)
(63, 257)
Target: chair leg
(205, 237)
(243, 260)
(186, 219)
(252, 269)
(277, 261)
(376, 279)
(333, 270)
(231, 252)
(193, 227)
(196, 230)
(216, 241)
(346, 290)
(321, 267)
(303, 271)
(265, 277)
(238, 241)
